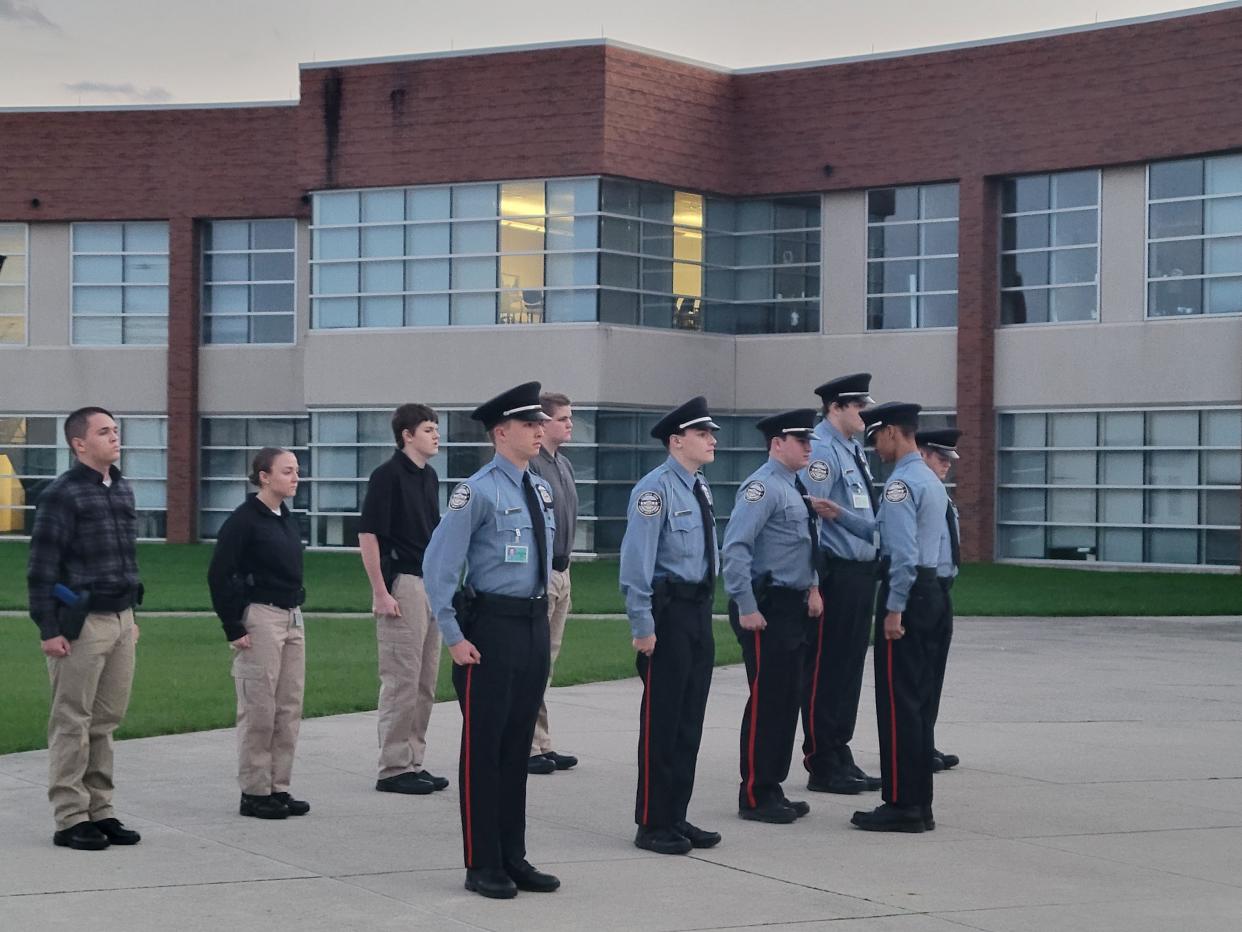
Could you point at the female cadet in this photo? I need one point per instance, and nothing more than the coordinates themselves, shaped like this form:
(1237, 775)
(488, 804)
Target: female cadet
(256, 588)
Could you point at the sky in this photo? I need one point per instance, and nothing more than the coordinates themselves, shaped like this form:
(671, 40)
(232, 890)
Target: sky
(92, 52)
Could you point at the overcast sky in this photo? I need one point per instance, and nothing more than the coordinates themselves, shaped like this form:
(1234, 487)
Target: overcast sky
(56, 52)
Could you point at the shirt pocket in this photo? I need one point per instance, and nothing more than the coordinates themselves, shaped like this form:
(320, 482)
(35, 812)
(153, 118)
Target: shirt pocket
(686, 531)
(514, 527)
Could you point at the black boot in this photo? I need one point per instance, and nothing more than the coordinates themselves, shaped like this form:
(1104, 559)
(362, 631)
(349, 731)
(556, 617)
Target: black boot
(262, 807)
(295, 806)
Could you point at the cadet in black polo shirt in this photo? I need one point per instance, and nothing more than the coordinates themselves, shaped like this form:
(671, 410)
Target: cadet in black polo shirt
(401, 509)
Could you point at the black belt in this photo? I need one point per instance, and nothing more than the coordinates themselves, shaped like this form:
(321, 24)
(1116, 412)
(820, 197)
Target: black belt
(509, 606)
(560, 564)
(106, 602)
(925, 574)
(281, 598)
(680, 589)
(834, 564)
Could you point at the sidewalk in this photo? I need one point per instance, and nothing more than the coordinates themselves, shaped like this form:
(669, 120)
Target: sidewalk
(1100, 789)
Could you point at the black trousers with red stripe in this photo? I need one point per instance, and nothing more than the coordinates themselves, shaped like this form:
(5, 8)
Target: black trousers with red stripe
(499, 698)
(905, 691)
(942, 661)
(676, 679)
(834, 670)
(774, 659)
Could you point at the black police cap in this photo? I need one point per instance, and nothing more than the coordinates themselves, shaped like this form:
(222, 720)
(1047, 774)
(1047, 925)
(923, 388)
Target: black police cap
(847, 388)
(943, 440)
(519, 403)
(797, 423)
(692, 414)
(891, 414)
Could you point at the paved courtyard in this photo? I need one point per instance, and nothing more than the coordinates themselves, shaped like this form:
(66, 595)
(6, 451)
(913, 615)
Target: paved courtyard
(1100, 789)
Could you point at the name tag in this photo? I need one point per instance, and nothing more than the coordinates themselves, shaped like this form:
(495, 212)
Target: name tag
(297, 618)
(861, 499)
(517, 553)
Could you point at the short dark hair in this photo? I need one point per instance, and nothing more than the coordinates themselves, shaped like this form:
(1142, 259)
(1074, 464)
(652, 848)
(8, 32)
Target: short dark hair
(553, 400)
(408, 417)
(75, 423)
(262, 462)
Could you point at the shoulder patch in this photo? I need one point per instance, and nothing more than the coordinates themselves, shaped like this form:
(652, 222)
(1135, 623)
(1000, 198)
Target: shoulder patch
(649, 504)
(545, 494)
(819, 470)
(460, 497)
(896, 491)
(754, 491)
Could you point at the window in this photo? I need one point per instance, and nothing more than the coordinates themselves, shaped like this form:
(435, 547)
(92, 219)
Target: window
(227, 446)
(248, 281)
(1155, 486)
(13, 251)
(33, 453)
(1050, 248)
(120, 283)
(912, 257)
(1194, 236)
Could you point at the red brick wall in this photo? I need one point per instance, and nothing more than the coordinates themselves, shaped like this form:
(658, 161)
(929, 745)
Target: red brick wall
(183, 341)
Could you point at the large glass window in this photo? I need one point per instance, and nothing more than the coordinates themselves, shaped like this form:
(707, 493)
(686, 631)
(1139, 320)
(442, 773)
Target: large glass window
(1159, 486)
(13, 252)
(912, 257)
(1194, 236)
(1050, 248)
(33, 453)
(227, 446)
(120, 283)
(248, 281)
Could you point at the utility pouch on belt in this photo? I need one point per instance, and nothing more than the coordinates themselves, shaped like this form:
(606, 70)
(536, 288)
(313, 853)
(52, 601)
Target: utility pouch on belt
(464, 600)
(72, 611)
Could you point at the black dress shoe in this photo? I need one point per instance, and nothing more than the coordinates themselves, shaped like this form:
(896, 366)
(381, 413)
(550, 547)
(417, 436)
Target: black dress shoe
(840, 782)
(295, 806)
(661, 840)
(412, 784)
(491, 882)
(562, 761)
(537, 763)
(773, 811)
(800, 807)
(890, 818)
(532, 880)
(117, 833)
(947, 761)
(262, 807)
(85, 836)
(698, 837)
(437, 783)
(937, 762)
(929, 820)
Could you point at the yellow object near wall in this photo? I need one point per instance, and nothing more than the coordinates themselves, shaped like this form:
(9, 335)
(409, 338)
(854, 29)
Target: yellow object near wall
(12, 498)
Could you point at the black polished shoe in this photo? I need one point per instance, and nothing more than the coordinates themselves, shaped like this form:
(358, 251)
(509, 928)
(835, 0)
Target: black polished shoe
(929, 820)
(262, 807)
(773, 811)
(537, 763)
(531, 879)
(937, 762)
(412, 784)
(117, 833)
(947, 761)
(890, 818)
(840, 782)
(85, 836)
(295, 806)
(562, 761)
(800, 807)
(846, 758)
(661, 840)
(698, 837)
(437, 783)
(490, 882)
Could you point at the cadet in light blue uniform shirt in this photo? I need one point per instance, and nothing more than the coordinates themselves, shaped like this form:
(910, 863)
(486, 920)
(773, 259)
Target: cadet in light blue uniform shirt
(834, 474)
(912, 525)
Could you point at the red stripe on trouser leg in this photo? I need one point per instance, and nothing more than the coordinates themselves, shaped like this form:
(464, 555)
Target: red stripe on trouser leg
(892, 718)
(819, 649)
(754, 725)
(466, 770)
(647, 740)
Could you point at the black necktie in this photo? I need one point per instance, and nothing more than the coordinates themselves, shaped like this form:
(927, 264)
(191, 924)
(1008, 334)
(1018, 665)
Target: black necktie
(709, 526)
(866, 478)
(955, 546)
(811, 521)
(541, 529)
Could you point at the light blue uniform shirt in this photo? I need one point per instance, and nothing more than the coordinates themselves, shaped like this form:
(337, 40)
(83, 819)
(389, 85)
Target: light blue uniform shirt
(833, 474)
(912, 525)
(944, 567)
(663, 540)
(768, 532)
(484, 528)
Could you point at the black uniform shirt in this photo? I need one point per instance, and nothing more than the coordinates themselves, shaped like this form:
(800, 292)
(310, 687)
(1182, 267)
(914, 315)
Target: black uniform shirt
(258, 558)
(402, 508)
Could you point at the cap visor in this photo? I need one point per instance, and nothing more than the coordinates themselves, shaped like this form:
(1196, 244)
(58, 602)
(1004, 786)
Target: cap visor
(531, 416)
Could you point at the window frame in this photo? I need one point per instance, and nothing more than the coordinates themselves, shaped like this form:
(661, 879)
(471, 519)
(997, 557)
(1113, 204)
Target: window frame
(25, 286)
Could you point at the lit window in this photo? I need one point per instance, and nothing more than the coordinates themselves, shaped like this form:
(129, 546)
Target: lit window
(13, 251)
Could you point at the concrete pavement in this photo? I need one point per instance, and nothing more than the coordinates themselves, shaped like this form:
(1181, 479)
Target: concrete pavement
(1100, 789)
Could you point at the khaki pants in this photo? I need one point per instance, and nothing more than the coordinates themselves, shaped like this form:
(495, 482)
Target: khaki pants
(90, 692)
(270, 676)
(409, 664)
(559, 603)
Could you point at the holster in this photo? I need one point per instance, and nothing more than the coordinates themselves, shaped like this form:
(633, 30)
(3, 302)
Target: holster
(71, 618)
(464, 600)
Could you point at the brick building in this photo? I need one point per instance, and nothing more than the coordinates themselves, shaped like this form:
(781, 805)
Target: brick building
(1038, 238)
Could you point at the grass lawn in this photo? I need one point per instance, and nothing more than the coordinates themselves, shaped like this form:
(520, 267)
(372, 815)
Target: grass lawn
(176, 580)
(182, 682)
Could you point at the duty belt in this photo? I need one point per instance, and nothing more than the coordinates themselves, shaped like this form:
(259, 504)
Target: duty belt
(281, 598)
(680, 589)
(510, 606)
(834, 564)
